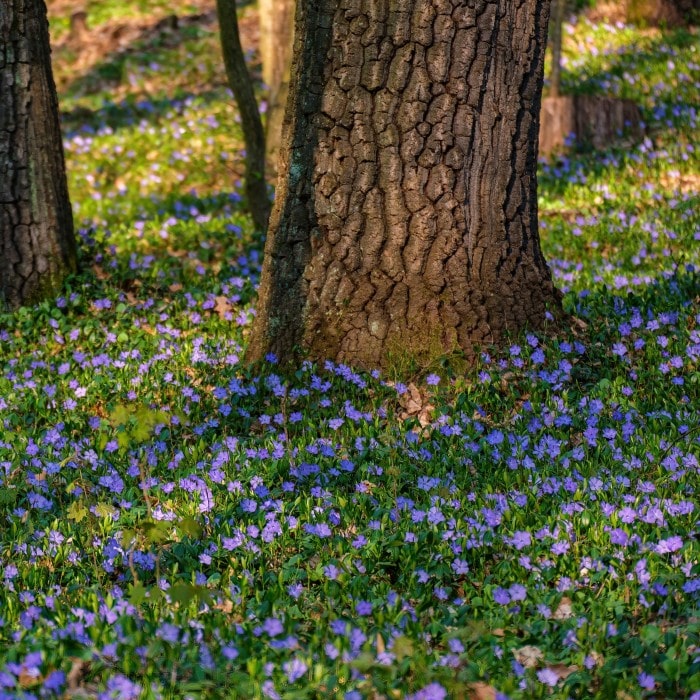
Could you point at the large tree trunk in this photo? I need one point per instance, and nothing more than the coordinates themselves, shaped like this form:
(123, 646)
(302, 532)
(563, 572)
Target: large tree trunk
(276, 44)
(406, 212)
(37, 245)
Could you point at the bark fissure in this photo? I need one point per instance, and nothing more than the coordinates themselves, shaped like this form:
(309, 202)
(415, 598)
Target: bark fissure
(37, 246)
(423, 185)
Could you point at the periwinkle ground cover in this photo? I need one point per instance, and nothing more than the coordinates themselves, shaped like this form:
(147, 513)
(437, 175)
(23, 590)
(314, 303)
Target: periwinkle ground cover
(176, 525)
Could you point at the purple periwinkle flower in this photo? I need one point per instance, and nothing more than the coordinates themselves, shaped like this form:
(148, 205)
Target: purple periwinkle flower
(363, 607)
(646, 681)
(295, 669)
(501, 596)
(548, 677)
(433, 691)
(672, 544)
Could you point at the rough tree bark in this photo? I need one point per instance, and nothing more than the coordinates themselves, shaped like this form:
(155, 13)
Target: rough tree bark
(242, 87)
(276, 44)
(406, 211)
(37, 243)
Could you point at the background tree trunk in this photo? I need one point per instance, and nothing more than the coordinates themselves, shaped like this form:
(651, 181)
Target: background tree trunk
(276, 45)
(37, 244)
(663, 12)
(557, 23)
(253, 134)
(406, 214)
(587, 121)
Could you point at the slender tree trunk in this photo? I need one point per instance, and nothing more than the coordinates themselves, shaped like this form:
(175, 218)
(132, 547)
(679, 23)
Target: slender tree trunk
(558, 7)
(276, 44)
(37, 244)
(253, 134)
(406, 214)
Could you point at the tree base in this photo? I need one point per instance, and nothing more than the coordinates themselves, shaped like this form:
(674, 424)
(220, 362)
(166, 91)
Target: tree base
(583, 120)
(648, 13)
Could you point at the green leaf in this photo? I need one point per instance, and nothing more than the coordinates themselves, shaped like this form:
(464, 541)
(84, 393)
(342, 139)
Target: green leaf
(7, 496)
(189, 527)
(182, 593)
(203, 594)
(155, 595)
(156, 531)
(104, 510)
(403, 648)
(128, 538)
(137, 593)
(77, 511)
(363, 662)
(120, 415)
(141, 432)
(650, 634)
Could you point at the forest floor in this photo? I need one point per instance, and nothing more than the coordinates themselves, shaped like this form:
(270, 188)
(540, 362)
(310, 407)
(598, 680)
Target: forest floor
(176, 525)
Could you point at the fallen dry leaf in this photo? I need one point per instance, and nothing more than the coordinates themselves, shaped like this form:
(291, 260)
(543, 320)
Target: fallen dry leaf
(579, 323)
(562, 670)
(226, 606)
(528, 656)
(417, 405)
(78, 670)
(100, 273)
(564, 610)
(481, 691)
(222, 307)
(598, 658)
(27, 679)
(684, 183)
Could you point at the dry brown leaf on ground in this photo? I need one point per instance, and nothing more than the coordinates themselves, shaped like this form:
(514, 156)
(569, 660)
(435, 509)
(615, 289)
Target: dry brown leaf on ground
(564, 610)
(562, 670)
(79, 669)
(579, 323)
(482, 691)
(528, 656)
(225, 606)
(411, 400)
(416, 404)
(100, 273)
(684, 183)
(222, 307)
(27, 679)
